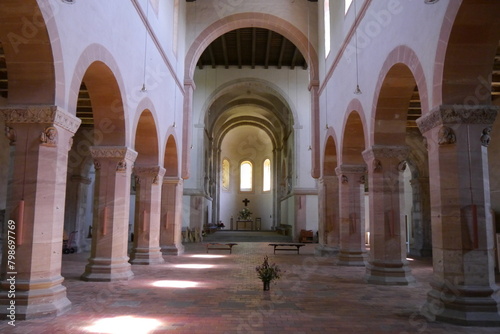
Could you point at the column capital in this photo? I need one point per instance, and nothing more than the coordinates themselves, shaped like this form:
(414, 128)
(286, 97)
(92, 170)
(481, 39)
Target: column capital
(154, 172)
(113, 152)
(350, 169)
(457, 114)
(342, 170)
(386, 152)
(378, 153)
(42, 114)
(172, 180)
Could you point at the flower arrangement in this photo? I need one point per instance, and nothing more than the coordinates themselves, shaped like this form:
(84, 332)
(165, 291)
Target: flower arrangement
(244, 214)
(268, 272)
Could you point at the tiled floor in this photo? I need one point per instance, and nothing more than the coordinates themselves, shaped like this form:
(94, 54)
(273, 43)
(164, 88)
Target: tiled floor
(194, 293)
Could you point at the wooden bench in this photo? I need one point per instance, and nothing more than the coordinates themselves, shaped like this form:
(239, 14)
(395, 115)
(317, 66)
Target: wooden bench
(287, 247)
(220, 246)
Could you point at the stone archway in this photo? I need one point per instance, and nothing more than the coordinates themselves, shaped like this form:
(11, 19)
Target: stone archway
(329, 225)
(457, 130)
(351, 173)
(148, 183)
(386, 161)
(103, 140)
(40, 134)
(261, 20)
(171, 199)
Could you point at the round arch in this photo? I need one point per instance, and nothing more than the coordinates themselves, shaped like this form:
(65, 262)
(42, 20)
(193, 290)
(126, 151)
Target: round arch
(254, 83)
(257, 20)
(97, 68)
(399, 75)
(28, 48)
(146, 139)
(171, 158)
(354, 141)
(469, 82)
(330, 156)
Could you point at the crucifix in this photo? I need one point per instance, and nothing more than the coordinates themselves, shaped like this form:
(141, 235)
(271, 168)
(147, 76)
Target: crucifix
(246, 201)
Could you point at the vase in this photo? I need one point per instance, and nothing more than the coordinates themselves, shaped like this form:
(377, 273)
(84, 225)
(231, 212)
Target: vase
(266, 285)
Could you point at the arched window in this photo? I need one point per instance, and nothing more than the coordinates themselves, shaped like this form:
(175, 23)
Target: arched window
(326, 19)
(225, 174)
(347, 4)
(246, 170)
(266, 186)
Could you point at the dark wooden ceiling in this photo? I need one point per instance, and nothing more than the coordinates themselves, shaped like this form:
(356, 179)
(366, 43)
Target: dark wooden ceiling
(251, 48)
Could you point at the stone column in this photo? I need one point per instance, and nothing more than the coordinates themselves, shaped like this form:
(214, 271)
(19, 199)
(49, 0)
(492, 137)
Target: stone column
(171, 219)
(329, 232)
(387, 264)
(146, 248)
(463, 290)
(109, 255)
(421, 218)
(351, 211)
(76, 204)
(42, 136)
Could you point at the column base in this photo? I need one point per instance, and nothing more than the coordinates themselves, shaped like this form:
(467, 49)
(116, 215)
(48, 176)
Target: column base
(389, 273)
(146, 256)
(463, 305)
(352, 258)
(172, 250)
(107, 270)
(31, 303)
(326, 251)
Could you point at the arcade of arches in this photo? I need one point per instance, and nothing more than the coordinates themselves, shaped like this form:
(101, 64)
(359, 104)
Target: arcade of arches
(382, 141)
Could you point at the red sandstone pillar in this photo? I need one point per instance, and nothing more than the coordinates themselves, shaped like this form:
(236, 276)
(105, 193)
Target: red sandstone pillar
(463, 289)
(171, 210)
(146, 248)
(108, 257)
(42, 136)
(387, 264)
(329, 228)
(352, 222)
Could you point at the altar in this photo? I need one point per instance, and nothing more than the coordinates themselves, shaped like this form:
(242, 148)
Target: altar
(245, 225)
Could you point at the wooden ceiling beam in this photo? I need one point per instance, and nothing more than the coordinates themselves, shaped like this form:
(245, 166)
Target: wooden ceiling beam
(212, 57)
(238, 46)
(268, 48)
(282, 52)
(294, 58)
(224, 51)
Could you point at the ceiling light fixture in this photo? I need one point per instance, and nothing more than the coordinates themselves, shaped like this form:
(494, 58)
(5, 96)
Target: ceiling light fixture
(357, 91)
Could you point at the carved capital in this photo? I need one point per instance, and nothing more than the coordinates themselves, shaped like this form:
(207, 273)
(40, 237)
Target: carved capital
(121, 166)
(350, 169)
(446, 136)
(10, 133)
(49, 136)
(154, 172)
(381, 152)
(113, 152)
(485, 137)
(457, 114)
(44, 114)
